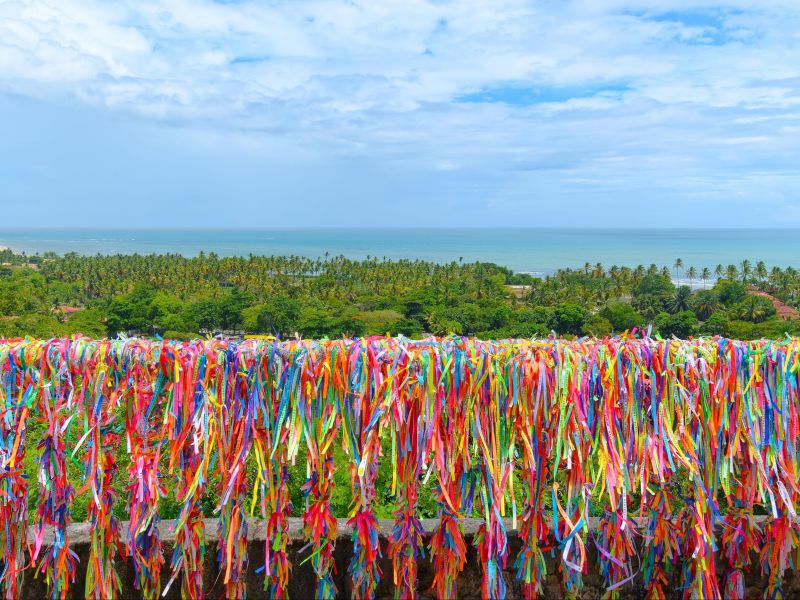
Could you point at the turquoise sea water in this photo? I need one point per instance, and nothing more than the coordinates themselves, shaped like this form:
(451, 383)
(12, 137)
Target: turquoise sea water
(537, 251)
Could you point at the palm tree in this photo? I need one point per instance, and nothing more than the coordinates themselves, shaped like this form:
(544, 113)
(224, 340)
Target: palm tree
(754, 309)
(732, 273)
(599, 271)
(718, 271)
(705, 304)
(647, 305)
(691, 273)
(761, 270)
(678, 265)
(705, 275)
(746, 270)
(680, 301)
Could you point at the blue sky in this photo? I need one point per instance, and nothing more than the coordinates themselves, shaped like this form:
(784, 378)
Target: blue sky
(400, 112)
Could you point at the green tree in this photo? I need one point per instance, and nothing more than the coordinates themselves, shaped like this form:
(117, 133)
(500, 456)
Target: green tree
(719, 271)
(746, 270)
(682, 325)
(205, 313)
(89, 322)
(231, 307)
(681, 299)
(279, 316)
(597, 326)
(568, 318)
(621, 315)
(730, 292)
(692, 275)
(716, 324)
(678, 266)
(648, 305)
(655, 285)
(761, 270)
(705, 275)
(754, 309)
(705, 303)
(133, 312)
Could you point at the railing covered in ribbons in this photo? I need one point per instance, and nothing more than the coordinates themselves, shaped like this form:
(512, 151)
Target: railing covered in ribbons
(676, 445)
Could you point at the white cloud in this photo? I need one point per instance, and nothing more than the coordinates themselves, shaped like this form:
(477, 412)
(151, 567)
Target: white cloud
(671, 94)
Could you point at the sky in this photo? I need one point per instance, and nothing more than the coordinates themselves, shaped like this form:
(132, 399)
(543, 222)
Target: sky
(587, 113)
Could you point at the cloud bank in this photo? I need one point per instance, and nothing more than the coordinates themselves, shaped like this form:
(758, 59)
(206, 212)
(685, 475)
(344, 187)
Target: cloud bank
(585, 112)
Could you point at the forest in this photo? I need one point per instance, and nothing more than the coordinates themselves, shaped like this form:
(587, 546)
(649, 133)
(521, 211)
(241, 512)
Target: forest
(179, 297)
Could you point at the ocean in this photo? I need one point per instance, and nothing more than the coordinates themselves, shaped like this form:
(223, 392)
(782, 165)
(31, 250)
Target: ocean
(536, 251)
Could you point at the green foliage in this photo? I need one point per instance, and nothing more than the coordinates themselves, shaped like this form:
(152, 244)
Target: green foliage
(320, 319)
(680, 300)
(133, 311)
(568, 318)
(22, 292)
(655, 285)
(716, 324)
(180, 297)
(33, 325)
(754, 309)
(705, 303)
(382, 321)
(279, 316)
(597, 326)
(621, 315)
(648, 305)
(682, 324)
(88, 322)
(730, 292)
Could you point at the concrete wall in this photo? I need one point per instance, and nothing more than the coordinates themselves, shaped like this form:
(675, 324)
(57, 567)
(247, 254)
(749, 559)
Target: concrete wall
(303, 581)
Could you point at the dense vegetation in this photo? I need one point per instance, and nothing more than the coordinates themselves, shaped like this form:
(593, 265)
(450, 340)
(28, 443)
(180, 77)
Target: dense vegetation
(174, 296)
(179, 297)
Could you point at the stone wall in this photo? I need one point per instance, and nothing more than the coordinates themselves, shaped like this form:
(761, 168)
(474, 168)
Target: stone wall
(303, 582)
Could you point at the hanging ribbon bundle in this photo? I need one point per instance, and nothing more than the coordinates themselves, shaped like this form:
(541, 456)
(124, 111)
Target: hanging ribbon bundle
(694, 436)
(276, 438)
(741, 535)
(320, 385)
(56, 491)
(452, 458)
(569, 413)
(781, 538)
(535, 448)
(661, 545)
(361, 411)
(493, 425)
(234, 422)
(189, 431)
(104, 381)
(409, 404)
(144, 446)
(20, 382)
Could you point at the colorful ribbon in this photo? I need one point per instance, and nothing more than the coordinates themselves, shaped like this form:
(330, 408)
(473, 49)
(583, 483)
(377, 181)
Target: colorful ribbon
(694, 436)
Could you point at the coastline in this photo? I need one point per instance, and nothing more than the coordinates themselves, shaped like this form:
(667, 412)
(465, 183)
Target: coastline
(537, 252)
